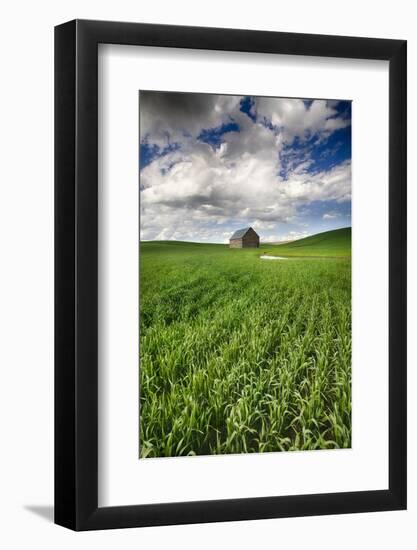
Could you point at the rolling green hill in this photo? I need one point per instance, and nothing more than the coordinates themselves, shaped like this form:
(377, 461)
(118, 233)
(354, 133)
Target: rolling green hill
(336, 243)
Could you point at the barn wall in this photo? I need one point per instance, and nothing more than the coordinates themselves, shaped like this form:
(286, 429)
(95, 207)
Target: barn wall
(250, 241)
(236, 243)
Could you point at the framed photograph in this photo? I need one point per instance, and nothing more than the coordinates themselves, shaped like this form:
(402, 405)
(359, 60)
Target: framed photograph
(230, 255)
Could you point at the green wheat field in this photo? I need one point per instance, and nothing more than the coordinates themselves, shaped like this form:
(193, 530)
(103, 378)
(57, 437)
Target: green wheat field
(243, 355)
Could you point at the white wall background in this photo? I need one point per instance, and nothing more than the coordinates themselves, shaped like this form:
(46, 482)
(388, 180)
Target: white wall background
(26, 272)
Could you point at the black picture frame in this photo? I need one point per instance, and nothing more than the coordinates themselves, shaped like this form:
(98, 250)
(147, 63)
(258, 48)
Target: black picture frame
(76, 272)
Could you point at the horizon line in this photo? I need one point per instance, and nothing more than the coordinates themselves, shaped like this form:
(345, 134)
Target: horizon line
(225, 243)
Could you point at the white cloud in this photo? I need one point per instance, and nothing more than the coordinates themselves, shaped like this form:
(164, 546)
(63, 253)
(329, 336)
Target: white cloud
(287, 237)
(330, 216)
(200, 193)
(259, 225)
(207, 189)
(296, 119)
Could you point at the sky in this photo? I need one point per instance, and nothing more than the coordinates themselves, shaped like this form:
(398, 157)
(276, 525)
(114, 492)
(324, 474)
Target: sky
(210, 164)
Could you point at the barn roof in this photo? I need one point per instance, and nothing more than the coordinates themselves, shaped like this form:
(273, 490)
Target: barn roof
(240, 233)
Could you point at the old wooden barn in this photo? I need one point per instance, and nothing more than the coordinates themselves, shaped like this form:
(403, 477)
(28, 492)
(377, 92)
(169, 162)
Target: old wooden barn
(244, 238)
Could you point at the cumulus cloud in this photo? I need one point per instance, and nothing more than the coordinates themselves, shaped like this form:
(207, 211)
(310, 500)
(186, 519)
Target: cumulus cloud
(298, 118)
(330, 216)
(288, 237)
(202, 192)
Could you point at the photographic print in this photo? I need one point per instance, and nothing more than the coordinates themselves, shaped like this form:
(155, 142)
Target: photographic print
(245, 274)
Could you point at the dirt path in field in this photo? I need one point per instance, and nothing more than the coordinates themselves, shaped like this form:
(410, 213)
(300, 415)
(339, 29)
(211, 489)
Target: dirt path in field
(272, 258)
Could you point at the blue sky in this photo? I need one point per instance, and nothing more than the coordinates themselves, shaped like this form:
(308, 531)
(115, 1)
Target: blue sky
(210, 164)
